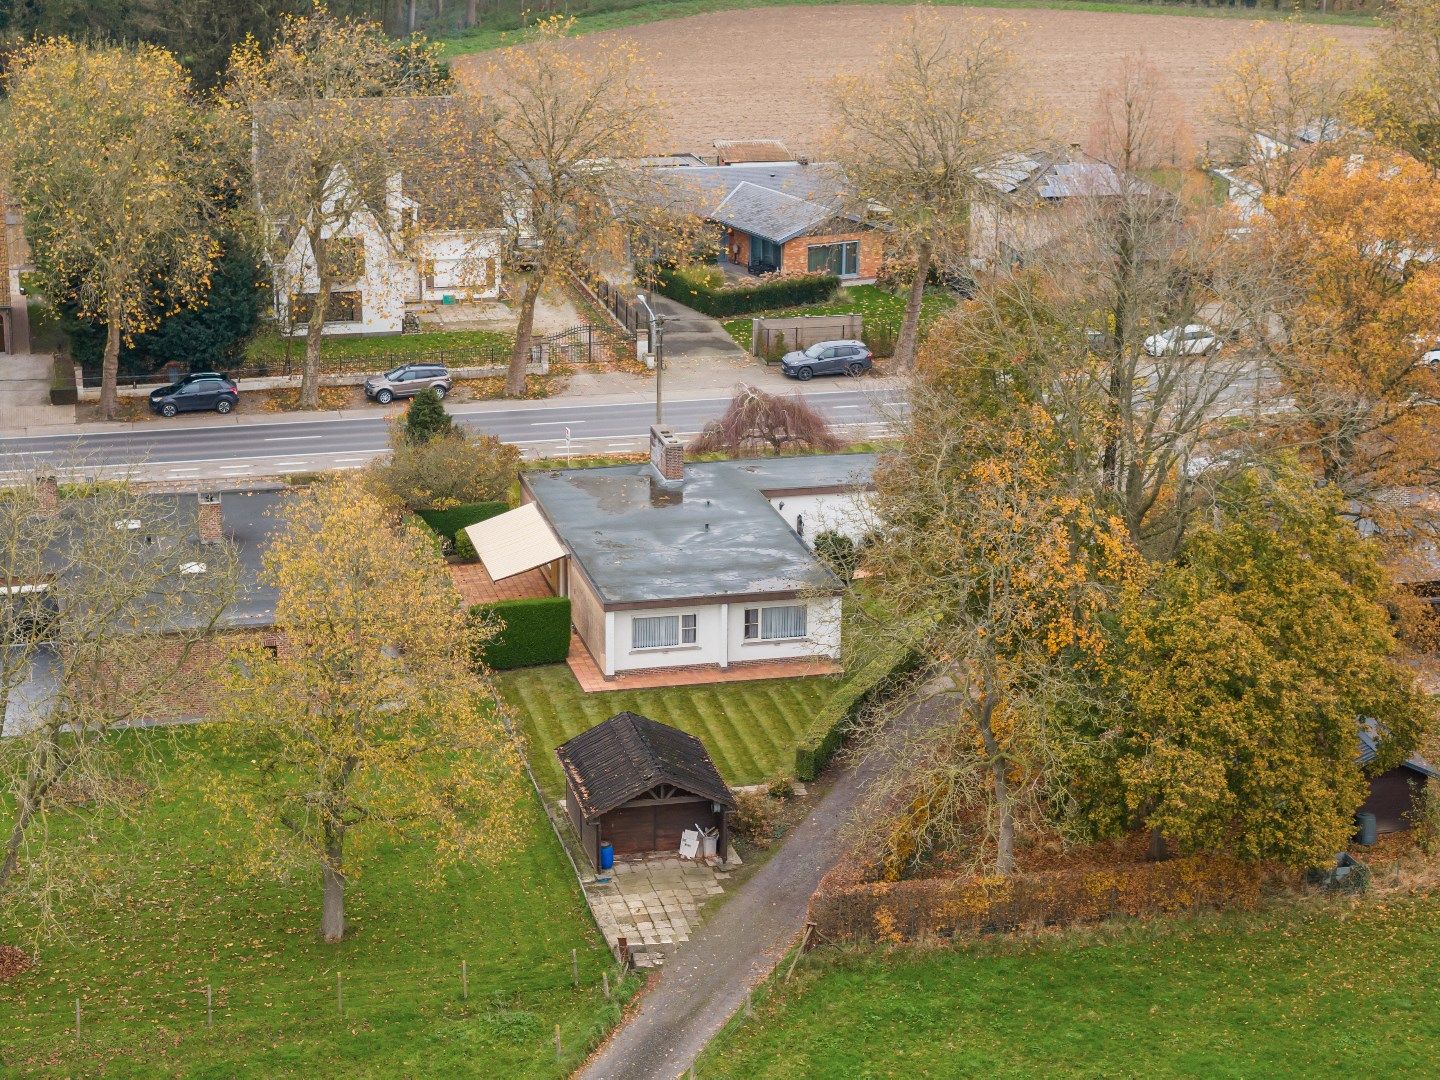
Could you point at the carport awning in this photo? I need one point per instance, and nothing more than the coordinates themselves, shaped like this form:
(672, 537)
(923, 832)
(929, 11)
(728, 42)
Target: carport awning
(515, 541)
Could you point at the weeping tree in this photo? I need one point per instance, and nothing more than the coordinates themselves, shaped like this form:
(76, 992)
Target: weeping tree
(756, 420)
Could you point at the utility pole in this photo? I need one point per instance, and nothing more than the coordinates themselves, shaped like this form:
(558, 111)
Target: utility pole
(657, 347)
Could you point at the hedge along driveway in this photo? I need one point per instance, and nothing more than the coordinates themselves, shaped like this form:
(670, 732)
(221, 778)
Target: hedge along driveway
(880, 308)
(751, 729)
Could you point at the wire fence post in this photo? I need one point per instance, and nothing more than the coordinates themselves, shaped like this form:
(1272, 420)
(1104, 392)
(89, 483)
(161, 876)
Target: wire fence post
(575, 968)
(77, 1017)
(464, 981)
(209, 1006)
(339, 995)
(558, 1053)
(605, 982)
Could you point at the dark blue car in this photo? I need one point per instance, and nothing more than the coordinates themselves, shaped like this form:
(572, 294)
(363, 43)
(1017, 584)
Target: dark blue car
(198, 392)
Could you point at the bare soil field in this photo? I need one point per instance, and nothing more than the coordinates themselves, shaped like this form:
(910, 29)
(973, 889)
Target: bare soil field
(765, 72)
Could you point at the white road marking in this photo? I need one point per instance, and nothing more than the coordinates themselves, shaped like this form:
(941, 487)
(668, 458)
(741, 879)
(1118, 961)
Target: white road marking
(291, 438)
(181, 472)
(283, 464)
(557, 423)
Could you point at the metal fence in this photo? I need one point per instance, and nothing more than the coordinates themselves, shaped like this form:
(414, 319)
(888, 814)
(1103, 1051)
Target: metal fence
(626, 312)
(771, 337)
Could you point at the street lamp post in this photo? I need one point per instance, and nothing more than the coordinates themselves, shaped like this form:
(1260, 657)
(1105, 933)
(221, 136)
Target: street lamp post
(657, 346)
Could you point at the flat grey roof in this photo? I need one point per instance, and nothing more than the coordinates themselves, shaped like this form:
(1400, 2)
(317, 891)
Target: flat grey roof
(636, 547)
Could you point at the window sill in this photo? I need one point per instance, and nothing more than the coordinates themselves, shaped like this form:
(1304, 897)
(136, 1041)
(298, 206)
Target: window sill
(665, 649)
(777, 641)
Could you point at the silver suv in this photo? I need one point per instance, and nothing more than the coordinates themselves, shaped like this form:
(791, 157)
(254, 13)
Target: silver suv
(407, 381)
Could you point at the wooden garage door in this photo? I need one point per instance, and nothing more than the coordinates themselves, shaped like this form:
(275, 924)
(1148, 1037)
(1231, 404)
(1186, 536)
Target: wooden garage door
(637, 829)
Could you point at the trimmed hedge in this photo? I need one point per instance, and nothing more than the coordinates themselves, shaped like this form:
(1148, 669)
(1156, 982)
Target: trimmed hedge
(705, 290)
(530, 632)
(846, 908)
(834, 721)
(451, 523)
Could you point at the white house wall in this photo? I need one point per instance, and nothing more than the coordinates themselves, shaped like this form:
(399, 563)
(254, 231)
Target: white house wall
(466, 265)
(388, 281)
(720, 636)
(844, 512)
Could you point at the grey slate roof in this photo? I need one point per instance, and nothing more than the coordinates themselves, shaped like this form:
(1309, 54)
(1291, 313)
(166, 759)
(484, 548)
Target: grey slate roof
(702, 191)
(629, 754)
(1043, 175)
(722, 539)
(1369, 747)
(773, 215)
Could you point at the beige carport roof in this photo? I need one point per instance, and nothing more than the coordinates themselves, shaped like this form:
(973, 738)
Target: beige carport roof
(515, 541)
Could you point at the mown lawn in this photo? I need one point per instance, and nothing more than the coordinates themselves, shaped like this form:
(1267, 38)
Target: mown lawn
(751, 729)
(140, 964)
(593, 16)
(880, 308)
(1323, 991)
(381, 348)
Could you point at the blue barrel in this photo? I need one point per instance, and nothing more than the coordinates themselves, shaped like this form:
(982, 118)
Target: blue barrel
(607, 855)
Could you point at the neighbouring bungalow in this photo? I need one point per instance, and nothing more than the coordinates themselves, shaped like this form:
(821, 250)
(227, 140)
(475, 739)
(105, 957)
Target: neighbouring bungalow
(1025, 201)
(405, 248)
(674, 565)
(785, 217)
(637, 785)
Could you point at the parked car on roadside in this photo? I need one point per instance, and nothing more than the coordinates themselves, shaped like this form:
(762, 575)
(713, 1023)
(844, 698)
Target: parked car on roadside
(199, 391)
(1431, 356)
(407, 380)
(1192, 340)
(828, 358)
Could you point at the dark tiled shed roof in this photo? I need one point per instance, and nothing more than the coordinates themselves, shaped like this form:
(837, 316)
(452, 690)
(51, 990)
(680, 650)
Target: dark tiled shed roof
(629, 754)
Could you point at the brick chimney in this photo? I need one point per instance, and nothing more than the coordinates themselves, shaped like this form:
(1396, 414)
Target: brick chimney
(47, 495)
(210, 518)
(667, 455)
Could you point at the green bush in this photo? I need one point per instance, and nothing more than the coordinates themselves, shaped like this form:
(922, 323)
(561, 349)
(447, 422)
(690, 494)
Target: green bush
(704, 290)
(838, 551)
(828, 730)
(528, 632)
(451, 523)
(426, 417)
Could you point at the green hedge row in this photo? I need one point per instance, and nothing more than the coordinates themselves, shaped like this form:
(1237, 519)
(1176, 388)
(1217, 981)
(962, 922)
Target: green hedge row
(705, 290)
(833, 722)
(452, 523)
(531, 632)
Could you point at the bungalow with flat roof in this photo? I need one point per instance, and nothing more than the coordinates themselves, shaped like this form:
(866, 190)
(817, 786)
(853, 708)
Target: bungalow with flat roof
(675, 565)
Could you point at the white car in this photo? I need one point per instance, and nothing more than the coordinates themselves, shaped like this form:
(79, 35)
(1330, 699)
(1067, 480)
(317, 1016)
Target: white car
(1431, 356)
(1189, 340)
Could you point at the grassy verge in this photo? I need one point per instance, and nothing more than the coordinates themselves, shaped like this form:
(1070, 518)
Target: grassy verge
(140, 963)
(880, 307)
(1322, 990)
(751, 729)
(617, 14)
(381, 348)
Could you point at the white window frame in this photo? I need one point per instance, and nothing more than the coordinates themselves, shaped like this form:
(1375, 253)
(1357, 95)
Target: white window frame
(757, 623)
(686, 631)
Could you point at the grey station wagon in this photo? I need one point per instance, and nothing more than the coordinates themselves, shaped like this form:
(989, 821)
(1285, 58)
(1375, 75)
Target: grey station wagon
(828, 358)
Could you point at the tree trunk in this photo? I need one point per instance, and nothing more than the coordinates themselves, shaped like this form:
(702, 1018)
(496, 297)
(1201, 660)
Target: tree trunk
(1005, 811)
(315, 327)
(410, 19)
(524, 335)
(910, 325)
(1157, 852)
(28, 801)
(471, 13)
(110, 366)
(332, 880)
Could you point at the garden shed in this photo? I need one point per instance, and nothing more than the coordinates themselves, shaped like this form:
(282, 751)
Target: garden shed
(1393, 794)
(639, 784)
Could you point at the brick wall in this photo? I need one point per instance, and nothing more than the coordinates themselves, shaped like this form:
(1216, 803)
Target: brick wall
(737, 247)
(796, 254)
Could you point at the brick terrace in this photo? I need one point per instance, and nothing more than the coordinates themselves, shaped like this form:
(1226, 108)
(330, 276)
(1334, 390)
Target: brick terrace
(477, 587)
(587, 673)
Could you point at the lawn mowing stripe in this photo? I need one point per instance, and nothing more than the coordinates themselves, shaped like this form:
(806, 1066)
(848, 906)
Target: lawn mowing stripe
(733, 716)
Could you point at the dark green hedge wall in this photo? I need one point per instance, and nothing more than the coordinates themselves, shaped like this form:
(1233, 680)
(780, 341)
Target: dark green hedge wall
(535, 631)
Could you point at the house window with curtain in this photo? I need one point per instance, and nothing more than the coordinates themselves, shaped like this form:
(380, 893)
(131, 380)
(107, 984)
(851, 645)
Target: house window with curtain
(662, 631)
(842, 260)
(775, 623)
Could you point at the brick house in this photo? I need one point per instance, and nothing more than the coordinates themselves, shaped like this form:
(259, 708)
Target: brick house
(785, 217)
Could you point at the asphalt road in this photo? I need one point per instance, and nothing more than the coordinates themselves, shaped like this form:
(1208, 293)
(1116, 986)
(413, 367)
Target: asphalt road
(212, 448)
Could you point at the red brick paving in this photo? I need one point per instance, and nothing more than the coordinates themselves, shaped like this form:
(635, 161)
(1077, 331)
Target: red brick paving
(476, 587)
(587, 672)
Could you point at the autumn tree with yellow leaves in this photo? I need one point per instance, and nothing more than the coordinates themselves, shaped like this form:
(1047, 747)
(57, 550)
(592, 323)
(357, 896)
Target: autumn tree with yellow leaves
(1399, 98)
(563, 134)
(914, 131)
(1351, 247)
(118, 173)
(338, 138)
(368, 722)
(994, 566)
